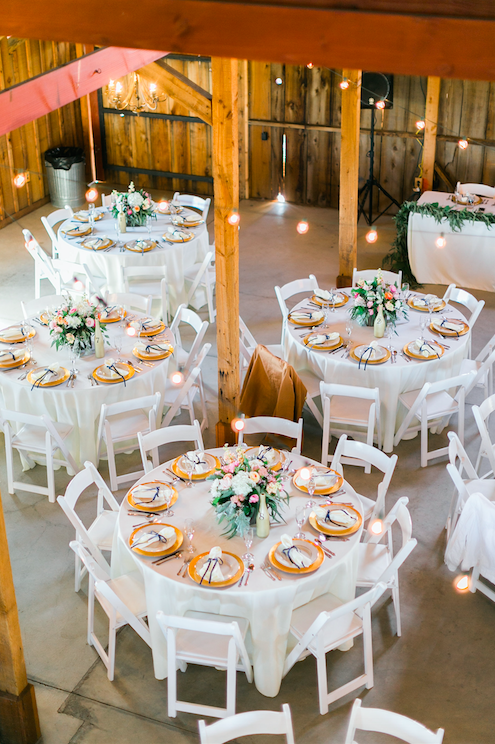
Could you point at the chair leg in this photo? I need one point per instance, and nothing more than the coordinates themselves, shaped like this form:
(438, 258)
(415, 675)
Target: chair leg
(321, 673)
(112, 639)
(396, 601)
(112, 467)
(78, 574)
(50, 474)
(368, 654)
(424, 442)
(171, 675)
(314, 410)
(9, 459)
(231, 678)
(91, 610)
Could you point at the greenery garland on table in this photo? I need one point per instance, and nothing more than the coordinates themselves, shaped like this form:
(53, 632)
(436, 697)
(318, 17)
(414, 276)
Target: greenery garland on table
(398, 257)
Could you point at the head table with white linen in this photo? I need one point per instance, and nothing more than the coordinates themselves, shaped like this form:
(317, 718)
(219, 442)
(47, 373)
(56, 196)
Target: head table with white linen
(267, 604)
(391, 377)
(177, 257)
(79, 405)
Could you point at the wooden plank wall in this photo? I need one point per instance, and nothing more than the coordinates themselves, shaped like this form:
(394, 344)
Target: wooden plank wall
(23, 148)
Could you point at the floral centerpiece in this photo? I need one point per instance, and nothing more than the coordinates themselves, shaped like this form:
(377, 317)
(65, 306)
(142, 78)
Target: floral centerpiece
(73, 324)
(369, 296)
(136, 205)
(237, 487)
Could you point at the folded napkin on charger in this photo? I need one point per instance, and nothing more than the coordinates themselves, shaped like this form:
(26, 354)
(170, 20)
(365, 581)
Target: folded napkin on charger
(200, 465)
(153, 348)
(11, 355)
(324, 480)
(165, 535)
(112, 310)
(192, 218)
(429, 299)
(451, 325)
(82, 213)
(268, 454)
(369, 352)
(95, 242)
(142, 244)
(145, 324)
(319, 338)
(315, 315)
(46, 373)
(151, 494)
(78, 229)
(12, 332)
(341, 517)
(110, 371)
(293, 553)
(421, 347)
(324, 294)
(211, 569)
(177, 220)
(177, 233)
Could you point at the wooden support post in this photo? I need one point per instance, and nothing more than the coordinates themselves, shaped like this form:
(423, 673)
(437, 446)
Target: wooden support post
(90, 119)
(349, 177)
(18, 712)
(226, 192)
(243, 129)
(430, 140)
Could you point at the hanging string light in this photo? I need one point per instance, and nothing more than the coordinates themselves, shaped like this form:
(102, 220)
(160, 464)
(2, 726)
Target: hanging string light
(376, 527)
(463, 143)
(234, 217)
(163, 206)
(380, 105)
(344, 84)
(177, 378)
(372, 235)
(91, 195)
(21, 179)
(278, 81)
(302, 227)
(310, 65)
(420, 125)
(280, 198)
(238, 424)
(441, 242)
(461, 583)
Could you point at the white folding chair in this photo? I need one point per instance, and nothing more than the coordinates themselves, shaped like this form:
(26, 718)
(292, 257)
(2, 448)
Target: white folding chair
(326, 623)
(77, 278)
(393, 724)
(350, 452)
(355, 411)
(32, 308)
(36, 436)
(181, 394)
(196, 202)
(482, 415)
(106, 200)
(186, 359)
(289, 290)
(480, 189)
(120, 423)
(122, 599)
(377, 562)
(390, 277)
(273, 425)
(430, 406)
(98, 536)
(49, 222)
(130, 300)
(482, 365)
(202, 275)
(454, 294)
(145, 280)
(248, 724)
(208, 640)
(248, 343)
(181, 433)
(44, 268)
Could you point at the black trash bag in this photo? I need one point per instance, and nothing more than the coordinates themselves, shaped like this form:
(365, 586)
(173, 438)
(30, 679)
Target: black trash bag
(64, 157)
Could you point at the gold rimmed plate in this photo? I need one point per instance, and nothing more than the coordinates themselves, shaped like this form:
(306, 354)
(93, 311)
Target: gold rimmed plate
(442, 331)
(177, 210)
(384, 355)
(276, 457)
(157, 549)
(179, 468)
(308, 322)
(76, 232)
(335, 480)
(176, 239)
(343, 298)
(151, 505)
(416, 355)
(85, 217)
(335, 529)
(112, 317)
(148, 356)
(232, 568)
(280, 561)
(153, 330)
(424, 308)
(6, 362)
(103, 374)
(62, 375)
(99, 243)
(475, 200)
(327, 345)
(15, 335)
(140, 246)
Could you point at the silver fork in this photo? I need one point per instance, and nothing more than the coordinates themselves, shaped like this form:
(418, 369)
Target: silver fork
(271, 570)
(266, 570)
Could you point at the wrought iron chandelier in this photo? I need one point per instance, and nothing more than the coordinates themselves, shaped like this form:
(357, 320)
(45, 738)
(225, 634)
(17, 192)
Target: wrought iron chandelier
(139, 96)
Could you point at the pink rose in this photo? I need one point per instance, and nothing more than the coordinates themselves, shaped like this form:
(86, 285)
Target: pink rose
(263, 472)
(255, 465)
(369, 303)
(229, 468)
(90, 322)
(73, 311)
(370, 312)
(129, 211)
(254, 498)
(53, 324)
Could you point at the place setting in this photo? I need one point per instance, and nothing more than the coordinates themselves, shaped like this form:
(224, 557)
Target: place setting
(12, 358)
(323, 341)
(147, 326)
(78, 231)
(372, 353)
(176, 235)
(153, 351)
(317, 480)
(429, 303)
(85, 215)
(141, 246)
(113, 371)
(153, 496)
(449, 327)
(423, 350)
(188, 220)
(49, 376)
(98, 243)
(17, 334)
(156, 540)
(326, 298)
(194, 466)
(306, 317)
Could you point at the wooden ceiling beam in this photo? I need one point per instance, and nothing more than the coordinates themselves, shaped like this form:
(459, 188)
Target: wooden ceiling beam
(180, 88)
(418, 38)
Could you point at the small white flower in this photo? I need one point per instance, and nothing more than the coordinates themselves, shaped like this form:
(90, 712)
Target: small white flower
(135, 199)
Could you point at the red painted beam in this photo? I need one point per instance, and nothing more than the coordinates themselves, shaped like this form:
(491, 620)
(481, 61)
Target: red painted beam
(47, 92)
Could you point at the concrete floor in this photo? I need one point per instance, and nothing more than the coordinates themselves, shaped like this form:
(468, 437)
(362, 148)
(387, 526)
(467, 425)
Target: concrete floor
(439, 672)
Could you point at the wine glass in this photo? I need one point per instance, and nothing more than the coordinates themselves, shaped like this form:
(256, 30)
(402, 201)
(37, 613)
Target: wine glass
(300, 519)
(422, 325)
(118, 339)
(389, 332)
(92, 218)
(190, 529)
(311, 503)
(189, 470)
(149, 223)
(348, 330)
(334, 295)
(405, 290)
(75, 353)
(248, 541)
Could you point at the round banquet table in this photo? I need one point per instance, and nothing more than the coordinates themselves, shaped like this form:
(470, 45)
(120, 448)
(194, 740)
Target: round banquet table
(177, 257)
(80, 405)
(391, 379)
(265, 603)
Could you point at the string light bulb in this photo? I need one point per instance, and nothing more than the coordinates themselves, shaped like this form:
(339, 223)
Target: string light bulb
(461, 583)
(344, 84)
(305, 474)
(78, 285)
(278, 81)
(20, 180)
(463, 143)
(441, 242)
(420, 125)
(310, 65)
(238, 424)
(376, 527)
(234, 217)
(130, 330)
(163, 206)
(91, 195)
(302, 227)
(177, 378)
(372, 235)
(281, 198)
(380, 105)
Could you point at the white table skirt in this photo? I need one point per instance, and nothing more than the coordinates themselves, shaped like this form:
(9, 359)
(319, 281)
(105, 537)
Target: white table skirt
(468, 258)
(266, 604)
(177, 258)
(79, 406)
(391, 379)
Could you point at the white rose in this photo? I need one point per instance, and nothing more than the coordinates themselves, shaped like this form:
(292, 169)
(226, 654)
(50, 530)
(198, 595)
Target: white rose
(360, 301)
(135, 199)
(389, 306)
(398, 305)
(242, 484)
(146, 204)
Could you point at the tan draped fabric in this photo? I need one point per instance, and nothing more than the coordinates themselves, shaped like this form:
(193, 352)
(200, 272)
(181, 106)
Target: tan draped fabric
(272, 387)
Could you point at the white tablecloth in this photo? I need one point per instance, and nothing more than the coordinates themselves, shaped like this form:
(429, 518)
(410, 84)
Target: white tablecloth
(177, 258)
(79, 406)
(468, 258)
(266, 604)
(391, 379)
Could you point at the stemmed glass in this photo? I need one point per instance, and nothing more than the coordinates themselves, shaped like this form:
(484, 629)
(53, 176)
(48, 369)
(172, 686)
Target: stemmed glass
(189, 529)
(348, 330)
(149, 223)
(422, 325)
(189, 470)
(92, 218)
(300, 519)
(405, 291)
(334, 292)
(75, 354)
(118, 339)
(389, 332)
(248, 541)
(311, 503)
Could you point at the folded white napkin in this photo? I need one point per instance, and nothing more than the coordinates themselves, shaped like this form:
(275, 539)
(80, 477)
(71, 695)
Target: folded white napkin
(320, 338)
(82, 213)
(341, 517)
(192, 218)
(178, 234)
(324, 480)
(177, 220)
(47, 376)
(142, 244)
(10, 355)
(421, 347)
(365, 351)
(94, 242)
(13, 332)
(316, 315)
(324, 294)
(149, 538)
(429, 299)
(149, 323)
(156, 348)
(110, 373)
(293, 554)
(211, 570)
(149, 494)
(268, 454)
(78, 229)
(197, 458)
(451, 325)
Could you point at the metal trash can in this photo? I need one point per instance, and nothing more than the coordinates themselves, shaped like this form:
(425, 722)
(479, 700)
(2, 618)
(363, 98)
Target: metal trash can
(66, 176)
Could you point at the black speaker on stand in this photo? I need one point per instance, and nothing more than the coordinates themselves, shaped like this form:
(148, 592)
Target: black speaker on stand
(375, 87)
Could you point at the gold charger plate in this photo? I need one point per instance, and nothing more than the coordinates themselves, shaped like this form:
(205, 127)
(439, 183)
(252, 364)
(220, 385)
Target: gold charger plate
(171, 238)
(104, 243)
(179, 538)
(85, 218)
(329, 303)
(476, 200)
(211, 459)
(415, 355)
(307, 547)
(306, 323)
(151, 357)
(154, 331)
(233, 560)
(281, 457)
(177, 210)
(333, 529)
(149, 507)
(112, 317)
(132, 246)
(381, 360)
(327, 345)
(319, 490)
(424, 308)
(448, 331)
(126, 370)
(74, 233)
(63, 376)
(16, 362)
(19, 338)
